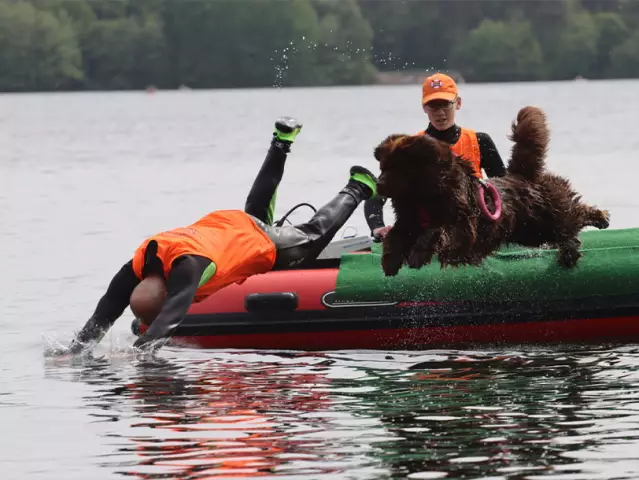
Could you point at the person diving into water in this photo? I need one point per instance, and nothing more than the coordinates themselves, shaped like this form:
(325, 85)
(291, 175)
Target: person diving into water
(173, 269)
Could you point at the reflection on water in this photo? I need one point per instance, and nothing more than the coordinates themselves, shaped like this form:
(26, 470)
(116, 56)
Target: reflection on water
(567, 415)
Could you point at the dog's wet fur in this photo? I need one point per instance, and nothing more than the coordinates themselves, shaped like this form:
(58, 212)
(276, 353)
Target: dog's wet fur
(421, 175)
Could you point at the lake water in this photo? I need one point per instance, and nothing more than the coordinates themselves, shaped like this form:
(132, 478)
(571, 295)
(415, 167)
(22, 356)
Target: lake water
(85, 177)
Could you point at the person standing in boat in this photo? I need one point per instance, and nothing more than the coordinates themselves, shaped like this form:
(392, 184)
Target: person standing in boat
(173, 269)
(440, 102)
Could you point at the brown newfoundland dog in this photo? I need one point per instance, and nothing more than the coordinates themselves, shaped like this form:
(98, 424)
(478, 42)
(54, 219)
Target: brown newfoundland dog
(442, 207)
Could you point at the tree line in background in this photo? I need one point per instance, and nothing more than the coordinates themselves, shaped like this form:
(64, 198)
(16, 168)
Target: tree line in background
(131, 44)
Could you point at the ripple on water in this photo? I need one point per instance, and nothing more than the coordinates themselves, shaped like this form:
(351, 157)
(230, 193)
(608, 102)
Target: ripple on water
(450, 415)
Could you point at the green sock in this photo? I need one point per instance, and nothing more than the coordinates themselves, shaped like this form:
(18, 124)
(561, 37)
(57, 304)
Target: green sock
(366, 180)
(288, 137)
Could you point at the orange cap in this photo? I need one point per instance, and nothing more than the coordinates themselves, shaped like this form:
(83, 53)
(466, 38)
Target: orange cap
(439, 87)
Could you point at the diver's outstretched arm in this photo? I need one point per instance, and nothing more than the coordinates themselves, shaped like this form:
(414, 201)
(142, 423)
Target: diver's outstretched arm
(110, 307)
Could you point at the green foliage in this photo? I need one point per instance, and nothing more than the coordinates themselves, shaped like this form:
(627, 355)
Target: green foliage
(500, 51)
(123, 54)
(226, 43)
(629, 11)
(624, 58)
(130, 44)
(482, 39)
(344, 46)
(612, 32)
(38, 51)
(576, 50)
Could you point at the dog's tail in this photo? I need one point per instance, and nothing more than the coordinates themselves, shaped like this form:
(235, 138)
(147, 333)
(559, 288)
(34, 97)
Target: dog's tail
(531, 135)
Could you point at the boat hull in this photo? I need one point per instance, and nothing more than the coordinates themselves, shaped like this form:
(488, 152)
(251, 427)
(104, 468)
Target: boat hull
(297, 310)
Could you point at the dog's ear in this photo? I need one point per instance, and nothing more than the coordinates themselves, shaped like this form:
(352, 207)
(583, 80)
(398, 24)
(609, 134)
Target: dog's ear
(387, 146)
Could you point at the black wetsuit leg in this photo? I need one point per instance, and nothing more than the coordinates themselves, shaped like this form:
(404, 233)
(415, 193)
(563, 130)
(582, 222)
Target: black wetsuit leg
(260, 202)
(299, 244)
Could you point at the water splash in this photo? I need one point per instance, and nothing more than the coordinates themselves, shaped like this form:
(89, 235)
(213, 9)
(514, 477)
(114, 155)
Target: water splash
(285, 59)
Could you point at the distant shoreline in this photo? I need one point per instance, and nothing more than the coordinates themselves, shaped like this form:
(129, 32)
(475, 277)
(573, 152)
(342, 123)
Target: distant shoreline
(385, 79)
(409, 77)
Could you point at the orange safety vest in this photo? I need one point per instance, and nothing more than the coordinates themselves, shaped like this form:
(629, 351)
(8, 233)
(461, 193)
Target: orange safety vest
(467, 147)
(229, 238)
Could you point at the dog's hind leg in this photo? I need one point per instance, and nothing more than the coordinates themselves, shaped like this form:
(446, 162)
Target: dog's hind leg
(594, 217)
(569, 251)
(424, 248)
(570, 224)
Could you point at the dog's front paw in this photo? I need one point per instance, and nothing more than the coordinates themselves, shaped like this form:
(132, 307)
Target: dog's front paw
(568, 256)
(391, 265)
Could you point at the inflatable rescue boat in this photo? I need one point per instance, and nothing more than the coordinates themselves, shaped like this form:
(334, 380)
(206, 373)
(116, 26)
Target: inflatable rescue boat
(344, 301)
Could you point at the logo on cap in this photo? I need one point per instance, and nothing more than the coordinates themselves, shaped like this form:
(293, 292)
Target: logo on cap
(436, 83)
